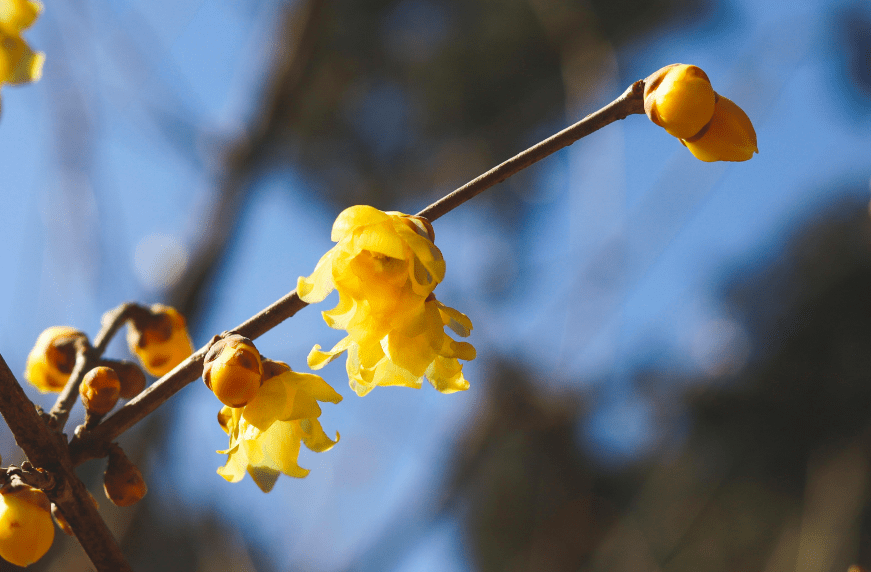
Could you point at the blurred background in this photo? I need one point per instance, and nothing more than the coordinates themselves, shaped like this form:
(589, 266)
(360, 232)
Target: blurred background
(674, 356)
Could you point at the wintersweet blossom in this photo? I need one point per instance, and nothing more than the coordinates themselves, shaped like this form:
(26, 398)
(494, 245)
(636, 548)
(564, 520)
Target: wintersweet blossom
(679, 98)
(385, 268)
(18, 63)
(52, 358)
(266, 434)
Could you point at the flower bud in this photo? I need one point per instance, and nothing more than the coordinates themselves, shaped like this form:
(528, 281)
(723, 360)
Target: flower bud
(26, 530)
(232, 370)
(130, 375)
(51, 360)
(100, 390)
(679, 98)
(122, 480)
(159, 339)
(729, 136)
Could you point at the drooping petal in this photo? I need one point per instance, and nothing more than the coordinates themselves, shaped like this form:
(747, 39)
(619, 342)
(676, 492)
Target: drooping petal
(319, 284)
(318, 359)
(236, 466)
(270, 404)
(458, 322)
(314, 436)
(313, 385)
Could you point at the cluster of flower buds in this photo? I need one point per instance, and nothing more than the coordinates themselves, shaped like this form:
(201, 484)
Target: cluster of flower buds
(159, 338)
(122, 480)
(51, 360)
(680, 99)
(232, 369)
(26, 529)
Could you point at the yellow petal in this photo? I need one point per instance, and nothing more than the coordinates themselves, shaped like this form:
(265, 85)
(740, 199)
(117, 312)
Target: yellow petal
(458, 322)
(314, 436)
(236, 466)
(313, 385)
(380, 238)
(318, 359)
(353, 217)
(271, 403)
(304, 407)
(446, 375)
(680, 99)
(319, 285)
(17, 15)
(427, 252)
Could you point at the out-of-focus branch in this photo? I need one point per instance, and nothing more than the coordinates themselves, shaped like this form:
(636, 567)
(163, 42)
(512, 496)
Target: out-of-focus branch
(92, 444)
(246, 156)
(47, 450)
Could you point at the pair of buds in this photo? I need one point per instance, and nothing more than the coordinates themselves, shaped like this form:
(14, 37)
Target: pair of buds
(680, 99)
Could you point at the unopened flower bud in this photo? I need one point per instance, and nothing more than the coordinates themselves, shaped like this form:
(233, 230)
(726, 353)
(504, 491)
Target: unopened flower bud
(122, 480)
(51, 360)
(26, 530)
(100, 390)
(420, 225)
(729, 136)
(159, 339)
(232, 370)
(679, 98)
(130, 375)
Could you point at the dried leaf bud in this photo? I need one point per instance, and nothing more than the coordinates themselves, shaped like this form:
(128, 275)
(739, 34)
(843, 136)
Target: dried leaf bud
(130, 375)
(100, 390)
(160, 339)
(728, 137)
(271, 368)
(51, 360)
(680, 99)
(122, 480)
(232, 370)
(26, 530)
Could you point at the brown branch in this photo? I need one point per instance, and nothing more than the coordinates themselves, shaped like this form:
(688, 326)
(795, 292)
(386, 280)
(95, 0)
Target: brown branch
(87, 357)
(631, 102)
(47, 449)
(93, 444)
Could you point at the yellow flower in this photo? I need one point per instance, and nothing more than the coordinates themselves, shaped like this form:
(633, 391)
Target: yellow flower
(385, 268)
(680, 99)
(51, 360)
(159, 339)
(266, 434)
(26, 529)
(18, 63)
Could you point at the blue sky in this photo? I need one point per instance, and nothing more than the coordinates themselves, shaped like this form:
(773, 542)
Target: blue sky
(77, 220)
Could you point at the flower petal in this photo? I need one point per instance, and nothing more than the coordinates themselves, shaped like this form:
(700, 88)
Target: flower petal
(353, 217)
(320, 283)
(314, 436)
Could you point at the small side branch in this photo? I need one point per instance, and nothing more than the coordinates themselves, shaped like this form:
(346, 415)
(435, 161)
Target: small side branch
(630, 103)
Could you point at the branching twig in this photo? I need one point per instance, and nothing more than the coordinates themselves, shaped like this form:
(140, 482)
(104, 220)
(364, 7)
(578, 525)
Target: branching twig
(92, 444)
(87, 357)
(47, 449)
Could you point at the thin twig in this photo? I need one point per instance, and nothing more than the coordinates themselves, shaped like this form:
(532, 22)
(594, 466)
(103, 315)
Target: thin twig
(631, 102)
(47, 450)
(93, 444)
(87, 357)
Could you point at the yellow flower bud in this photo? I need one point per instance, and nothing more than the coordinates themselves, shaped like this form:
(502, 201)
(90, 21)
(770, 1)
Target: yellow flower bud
(122, 480)
(51, 360)
(680, 99)
(130, 375)
(728, 137)
(100, 390)
(233, 371)
(26, 530)
(160, 340)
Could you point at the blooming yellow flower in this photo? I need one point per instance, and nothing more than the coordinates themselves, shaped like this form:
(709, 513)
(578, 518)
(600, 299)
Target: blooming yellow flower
(18, 63)
(385, 268)
(52, 358)
(159, 339)
(266, 434)
(679, 98)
